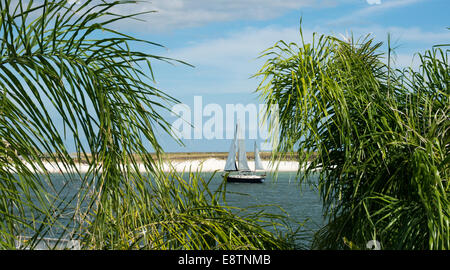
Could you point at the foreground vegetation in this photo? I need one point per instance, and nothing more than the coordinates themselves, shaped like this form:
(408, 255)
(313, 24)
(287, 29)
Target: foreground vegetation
(65, 74)
(381, 135)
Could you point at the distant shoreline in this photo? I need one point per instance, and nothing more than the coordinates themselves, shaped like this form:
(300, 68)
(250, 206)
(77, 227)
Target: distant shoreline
(184, 156)
(182, 162)
(265, 155)
(193, 165)
(214, 164)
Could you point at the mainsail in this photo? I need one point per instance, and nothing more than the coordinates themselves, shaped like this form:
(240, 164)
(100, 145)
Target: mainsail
(230, 165)
(258, 163)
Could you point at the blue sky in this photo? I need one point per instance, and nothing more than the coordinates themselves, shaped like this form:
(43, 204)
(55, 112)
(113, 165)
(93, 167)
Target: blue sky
(223, 38)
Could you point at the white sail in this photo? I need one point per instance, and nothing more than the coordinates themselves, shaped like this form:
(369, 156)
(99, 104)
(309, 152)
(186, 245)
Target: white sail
(242, 155)
(230, 165)
(258, 163)
(244, 173)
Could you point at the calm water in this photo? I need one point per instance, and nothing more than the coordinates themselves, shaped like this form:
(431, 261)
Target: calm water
(300, 203)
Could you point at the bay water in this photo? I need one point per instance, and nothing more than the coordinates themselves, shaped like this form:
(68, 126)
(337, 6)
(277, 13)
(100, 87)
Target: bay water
(280, 194)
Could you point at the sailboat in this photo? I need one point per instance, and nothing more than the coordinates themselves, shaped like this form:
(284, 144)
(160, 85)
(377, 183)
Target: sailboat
(238, 170)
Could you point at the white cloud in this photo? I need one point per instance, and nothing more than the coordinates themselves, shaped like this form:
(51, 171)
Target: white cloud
(404, 60)
(238, 49)
(374, 2)
(186, 13)
(373, 9)
(405, 36)
(245, 45)
(224, 64)
(405, 41)
(235, 49)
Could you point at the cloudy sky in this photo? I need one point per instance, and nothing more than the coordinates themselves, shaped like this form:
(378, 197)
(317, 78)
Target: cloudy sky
(223, 38)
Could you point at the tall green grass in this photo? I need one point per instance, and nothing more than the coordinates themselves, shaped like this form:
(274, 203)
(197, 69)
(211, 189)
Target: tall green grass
(180, 211)
(66, 62)
(381, 135)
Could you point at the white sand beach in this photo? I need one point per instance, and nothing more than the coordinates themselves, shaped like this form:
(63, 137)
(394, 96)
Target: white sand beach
(212, 164)
(206, 165)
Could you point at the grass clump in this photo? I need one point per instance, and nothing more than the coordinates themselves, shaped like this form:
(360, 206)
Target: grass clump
(381, 136)
(67, 76)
